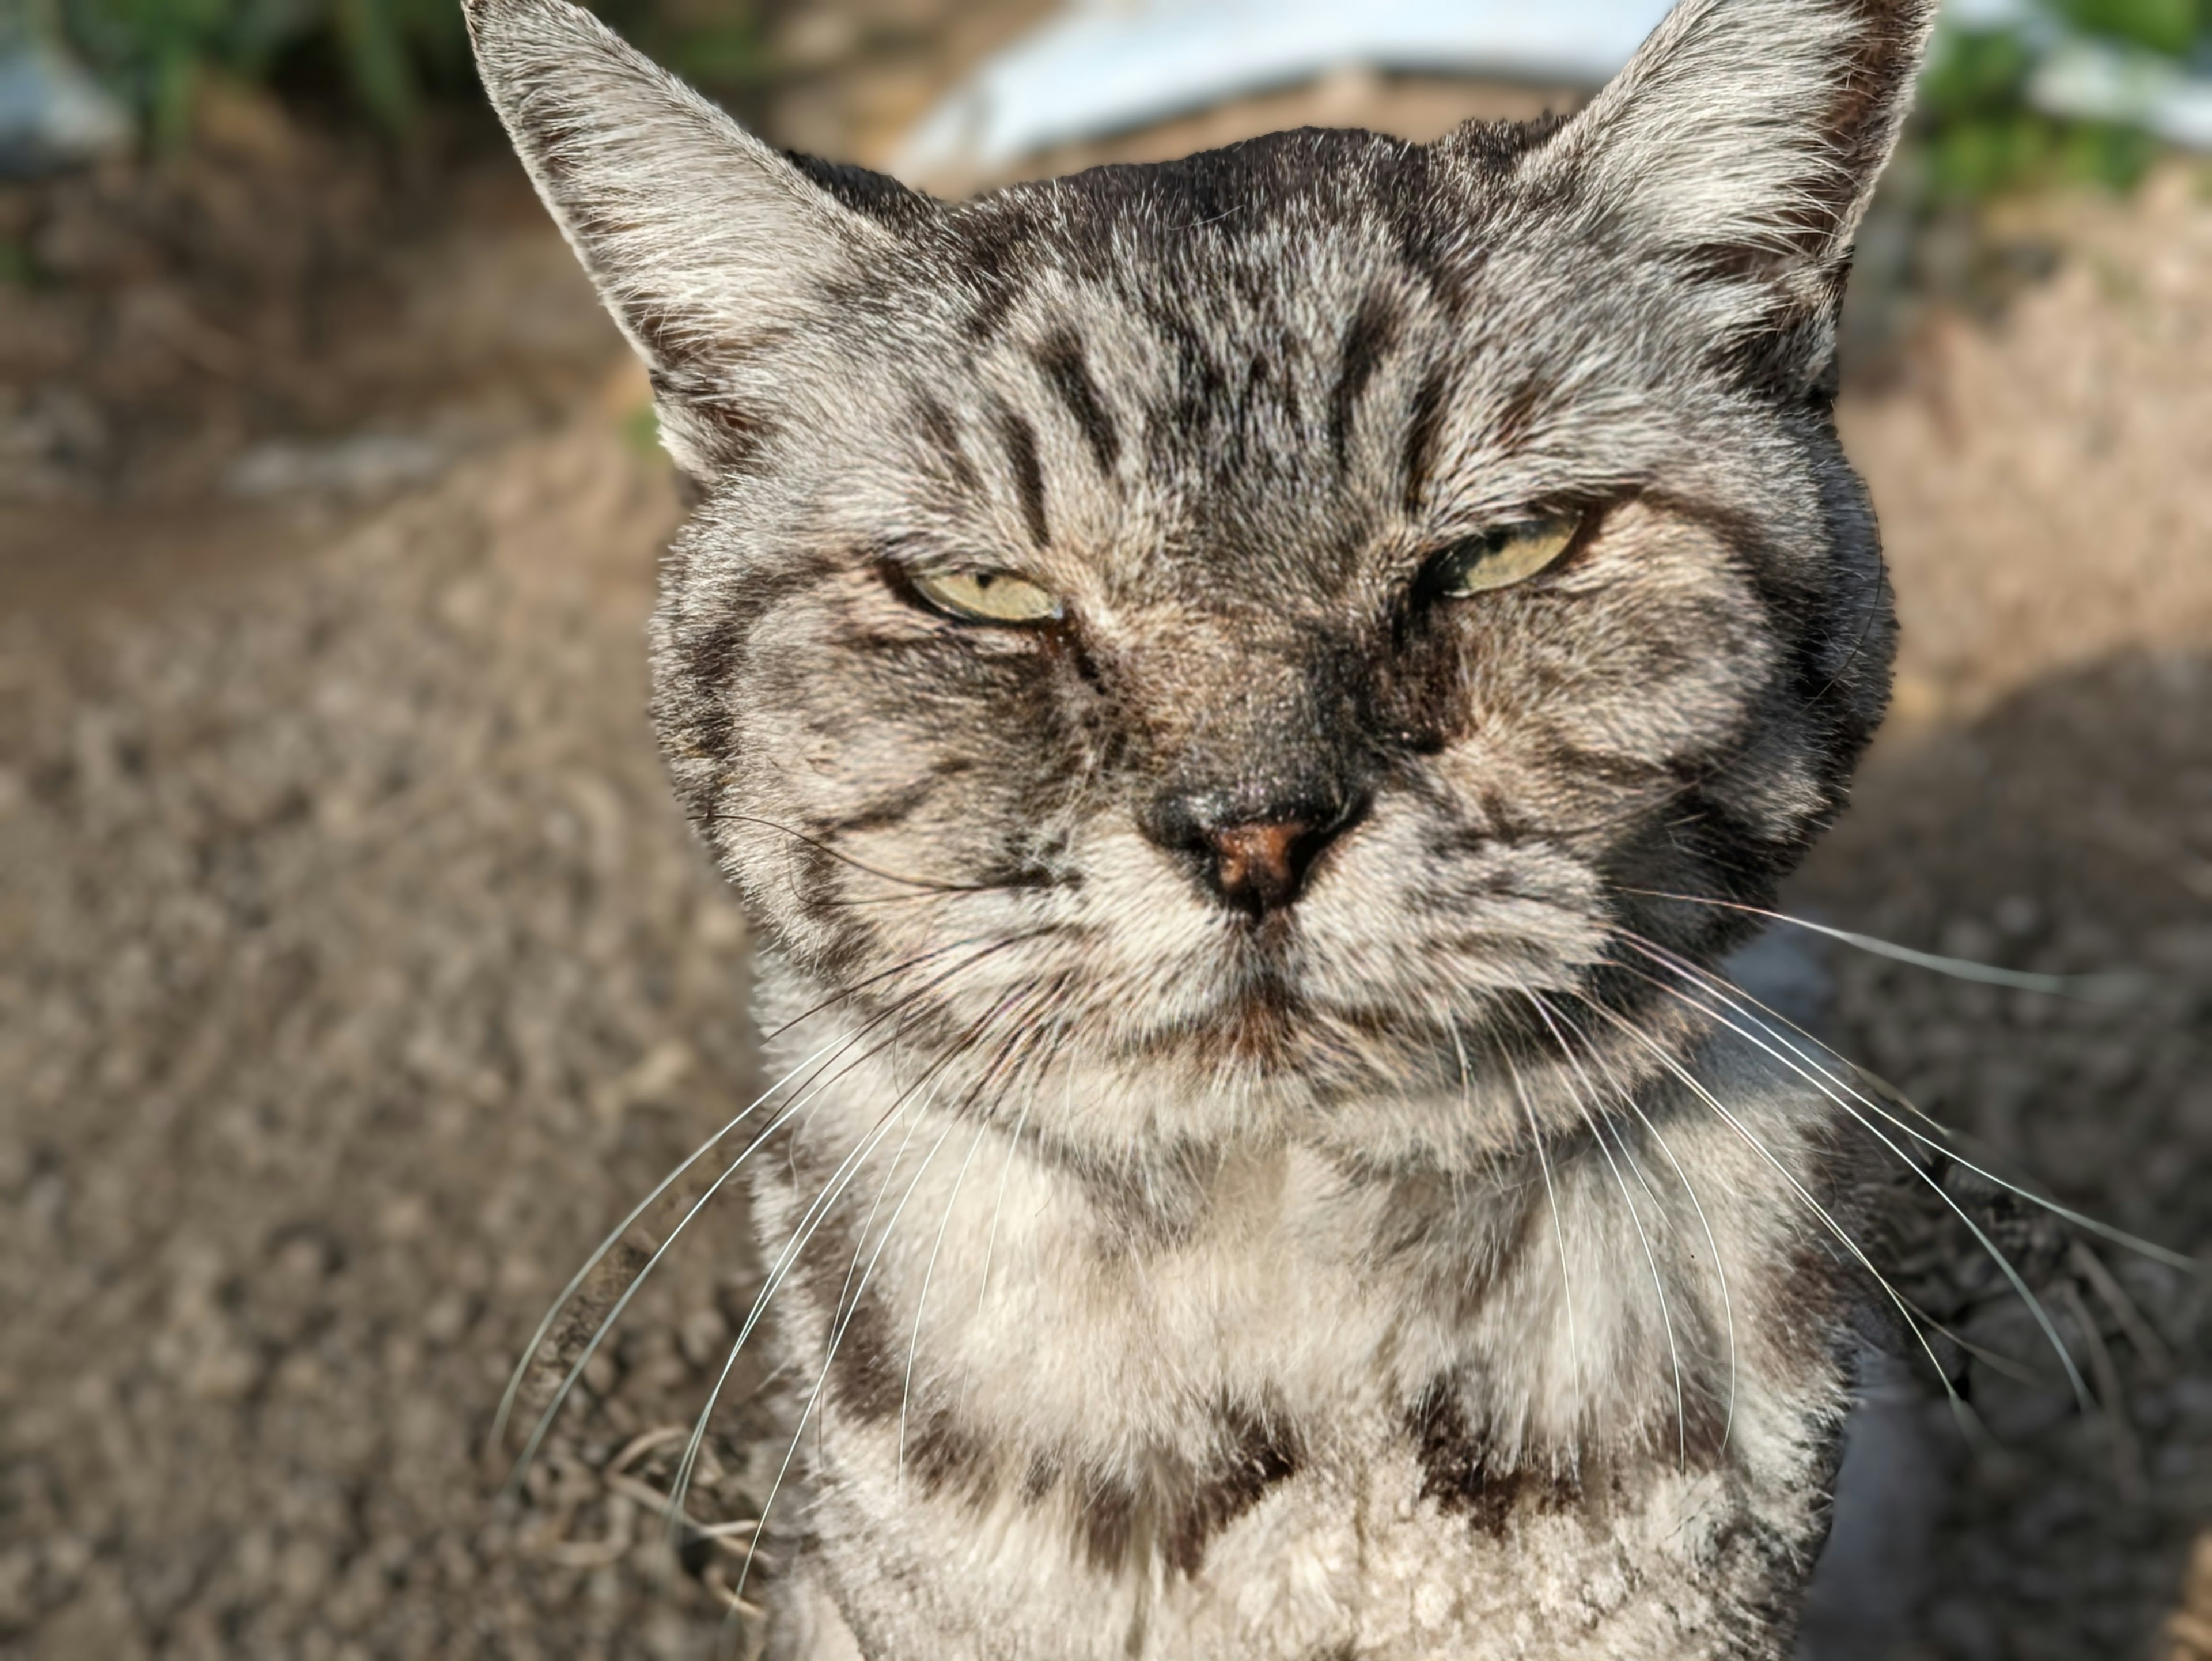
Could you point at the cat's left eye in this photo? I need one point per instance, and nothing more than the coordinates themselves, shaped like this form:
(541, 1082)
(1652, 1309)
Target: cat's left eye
(1502, 557)
(997, 596)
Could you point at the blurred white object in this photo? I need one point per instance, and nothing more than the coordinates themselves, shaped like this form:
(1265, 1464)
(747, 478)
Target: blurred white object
(2100, 83)
(1106, 66)
(1103, 67)
(52, 115)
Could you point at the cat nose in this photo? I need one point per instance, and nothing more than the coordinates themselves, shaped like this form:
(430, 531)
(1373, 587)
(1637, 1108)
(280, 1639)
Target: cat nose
(1254, 856)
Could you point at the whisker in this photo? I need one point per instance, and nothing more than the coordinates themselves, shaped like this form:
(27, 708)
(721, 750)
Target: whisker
(1552, 1197)
(530, 1351)
(1945, 1139)
(921, 1298)
(1712, 1244)
(804, 1231)
(1961, 1410)
(836, 1338)
(783, 1116)
(841, 1326)
(1665, 1318)
(807, 1092)
(1006, 1169)
(860, 986)
(1819, 1082)
(821, 847)
(576, 1282)
(2110, 988)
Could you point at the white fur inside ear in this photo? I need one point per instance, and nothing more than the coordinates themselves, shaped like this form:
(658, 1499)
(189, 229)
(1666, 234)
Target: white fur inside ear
(1753, 124)
(705, 243)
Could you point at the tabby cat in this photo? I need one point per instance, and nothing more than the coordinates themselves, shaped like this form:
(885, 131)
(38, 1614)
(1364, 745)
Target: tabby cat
(1225, 687)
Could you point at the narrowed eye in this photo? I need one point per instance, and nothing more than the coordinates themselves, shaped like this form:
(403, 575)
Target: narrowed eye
(986, 596)
(1511, 554)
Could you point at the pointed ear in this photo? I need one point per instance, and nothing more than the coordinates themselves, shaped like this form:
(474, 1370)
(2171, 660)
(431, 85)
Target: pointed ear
(1744, 140)
(708, 246)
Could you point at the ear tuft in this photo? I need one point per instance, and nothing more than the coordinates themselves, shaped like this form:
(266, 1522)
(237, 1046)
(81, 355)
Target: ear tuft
(708, 246)
(1743, 141)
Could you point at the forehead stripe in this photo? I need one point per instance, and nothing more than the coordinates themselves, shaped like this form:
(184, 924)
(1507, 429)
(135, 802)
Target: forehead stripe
(1061, 359)
(1372, 335)
(1029, 476)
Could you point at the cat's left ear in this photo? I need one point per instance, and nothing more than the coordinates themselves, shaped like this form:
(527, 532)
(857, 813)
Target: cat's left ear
(713, 251)
(1743, 141)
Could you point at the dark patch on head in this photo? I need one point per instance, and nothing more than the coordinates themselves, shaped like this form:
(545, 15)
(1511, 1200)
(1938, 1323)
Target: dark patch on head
(1495, 146)
(879, 196)
(1064, 370)
(1039, 1478)
(1374, 333)
(733, 434)
(1258, 1453)
(886, 811)
(1029, 474)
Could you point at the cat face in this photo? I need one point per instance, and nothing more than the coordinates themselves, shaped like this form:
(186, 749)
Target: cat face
(1260, 632)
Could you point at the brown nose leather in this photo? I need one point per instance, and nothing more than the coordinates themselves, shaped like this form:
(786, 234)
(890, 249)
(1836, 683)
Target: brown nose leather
(1255, 865)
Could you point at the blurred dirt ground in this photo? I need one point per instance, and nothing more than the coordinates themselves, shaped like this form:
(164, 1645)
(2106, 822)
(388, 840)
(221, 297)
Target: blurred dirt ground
(357, 973)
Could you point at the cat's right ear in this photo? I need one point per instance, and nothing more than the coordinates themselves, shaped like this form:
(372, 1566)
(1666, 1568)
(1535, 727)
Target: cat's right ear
(710, 248)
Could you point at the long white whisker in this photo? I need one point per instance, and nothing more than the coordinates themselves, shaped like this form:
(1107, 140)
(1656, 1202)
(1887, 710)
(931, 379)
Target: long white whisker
(1551, 1198)
(803, 1234)
(833, 1050)
(1658, 1285)
(836, 1338)
(1819, 1082)
(1006, 1169)
(921, 1298)
(1943, 1138)
(1712, 1244)
(545, 1420)
(2109, 988)
(529, 1350)
(1959, 1408)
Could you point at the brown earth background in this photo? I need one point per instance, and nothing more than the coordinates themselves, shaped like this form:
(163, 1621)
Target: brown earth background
(358, 971)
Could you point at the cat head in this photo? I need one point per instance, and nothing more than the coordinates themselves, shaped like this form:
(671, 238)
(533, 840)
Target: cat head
(1256, 635)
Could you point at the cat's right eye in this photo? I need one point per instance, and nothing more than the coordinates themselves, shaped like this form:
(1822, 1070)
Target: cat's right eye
(999, 597)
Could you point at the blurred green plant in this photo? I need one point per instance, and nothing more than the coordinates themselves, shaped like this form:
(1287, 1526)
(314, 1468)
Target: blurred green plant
(161, 53)
(393, 56)
(1982, 137)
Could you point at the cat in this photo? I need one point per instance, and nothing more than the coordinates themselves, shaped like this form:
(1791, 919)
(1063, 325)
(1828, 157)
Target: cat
(1225, 688)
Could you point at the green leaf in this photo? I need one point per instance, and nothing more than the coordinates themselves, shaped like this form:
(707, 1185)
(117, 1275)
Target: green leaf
(2172, 26)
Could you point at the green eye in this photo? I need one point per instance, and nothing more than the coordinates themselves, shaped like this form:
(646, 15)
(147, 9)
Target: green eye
(1503, 558)
(986, 596)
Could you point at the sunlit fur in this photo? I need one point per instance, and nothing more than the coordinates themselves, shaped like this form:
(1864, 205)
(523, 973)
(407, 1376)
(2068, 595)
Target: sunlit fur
(1408, 1271)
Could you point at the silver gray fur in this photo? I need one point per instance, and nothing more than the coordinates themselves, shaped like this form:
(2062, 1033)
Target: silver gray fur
(1422, 1269)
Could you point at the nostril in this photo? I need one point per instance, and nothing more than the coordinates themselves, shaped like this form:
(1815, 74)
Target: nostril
(1252, 852)
(1258, 867)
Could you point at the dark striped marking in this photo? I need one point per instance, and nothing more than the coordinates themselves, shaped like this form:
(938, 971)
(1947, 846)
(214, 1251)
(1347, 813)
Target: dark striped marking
(1029, 474)
(1373, 333)
(1456, 1472)
(1518, 415)
(938, 426)
(1423, 427)
(1262, 1453)
(1065, 368)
